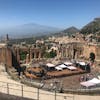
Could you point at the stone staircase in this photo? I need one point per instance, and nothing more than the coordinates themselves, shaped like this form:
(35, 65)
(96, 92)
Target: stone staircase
(13, 73)
(3, 70)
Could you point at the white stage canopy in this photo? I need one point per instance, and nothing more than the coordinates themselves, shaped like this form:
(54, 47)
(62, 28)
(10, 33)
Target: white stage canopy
(50, 65)
(87, 84)
(92, 82)
(95, 80)
(68, 63)
(58, 68)
(82, 63)
(62, 66)
(71, 67)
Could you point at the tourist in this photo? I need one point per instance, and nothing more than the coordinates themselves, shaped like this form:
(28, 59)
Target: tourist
(82, 78)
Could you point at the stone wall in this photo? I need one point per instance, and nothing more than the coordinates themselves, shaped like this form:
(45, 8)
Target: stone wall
(6, 56)
(2, 55)
(31, 53)
(80, 50)
(88, 48)
(75, 50)
(98, 52)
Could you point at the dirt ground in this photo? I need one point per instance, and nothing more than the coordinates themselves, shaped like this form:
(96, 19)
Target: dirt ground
(74, 80)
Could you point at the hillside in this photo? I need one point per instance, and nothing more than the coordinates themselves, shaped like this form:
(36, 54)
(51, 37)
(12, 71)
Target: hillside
(71, 30)
(92, 27)
(28, 30)
(32, 39)
(68, 31)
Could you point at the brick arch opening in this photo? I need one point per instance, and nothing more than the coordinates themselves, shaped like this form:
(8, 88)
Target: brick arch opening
(23, 54)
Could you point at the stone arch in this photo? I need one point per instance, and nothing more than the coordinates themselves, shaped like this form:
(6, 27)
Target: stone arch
(74, 53)
(92, 56)
(33, 55)
(37, 54)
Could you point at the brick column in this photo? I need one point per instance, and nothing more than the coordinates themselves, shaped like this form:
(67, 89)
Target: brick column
(27, 58)
(18, 55)
(35, 54)
(31, 56)
(39, 55)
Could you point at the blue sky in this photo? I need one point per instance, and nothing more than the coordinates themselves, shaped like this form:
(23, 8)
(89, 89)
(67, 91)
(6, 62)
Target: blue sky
(56, 13)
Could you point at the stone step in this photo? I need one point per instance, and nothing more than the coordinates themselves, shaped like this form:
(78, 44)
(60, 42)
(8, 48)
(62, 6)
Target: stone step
(13, 70)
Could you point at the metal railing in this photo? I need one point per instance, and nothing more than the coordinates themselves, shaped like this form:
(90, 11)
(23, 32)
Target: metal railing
(31, 92)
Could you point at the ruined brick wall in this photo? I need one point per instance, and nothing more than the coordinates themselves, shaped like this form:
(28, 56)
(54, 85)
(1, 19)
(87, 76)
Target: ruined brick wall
(30, 53)
(6, 56)
(74, 50)
(2, 55)
(82, 50)
(88, 48)
(9, 57)
(98, 52)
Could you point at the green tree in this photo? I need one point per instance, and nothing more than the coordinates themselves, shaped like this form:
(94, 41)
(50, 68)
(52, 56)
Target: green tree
(23, 55)
(50, 54)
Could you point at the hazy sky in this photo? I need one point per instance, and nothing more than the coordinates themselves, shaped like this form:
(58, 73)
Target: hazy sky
(57, 13)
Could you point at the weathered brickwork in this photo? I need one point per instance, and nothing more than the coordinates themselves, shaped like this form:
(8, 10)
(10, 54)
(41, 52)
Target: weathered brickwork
(6, 56)
(11, 55)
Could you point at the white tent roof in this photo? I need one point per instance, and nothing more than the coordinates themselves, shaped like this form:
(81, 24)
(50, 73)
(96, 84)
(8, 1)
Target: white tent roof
(68, 63)
(82, 63)
(95, 80)
(71, 67)
(58, 68)
(87, 84)
(50, 65)
(62, 66)
(92, 82)
(68, 67)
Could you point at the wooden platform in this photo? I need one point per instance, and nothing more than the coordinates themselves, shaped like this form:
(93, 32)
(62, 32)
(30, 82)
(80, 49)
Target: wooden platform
(53, 74)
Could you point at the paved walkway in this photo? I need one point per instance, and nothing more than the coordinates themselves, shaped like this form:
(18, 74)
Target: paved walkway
(18, 89)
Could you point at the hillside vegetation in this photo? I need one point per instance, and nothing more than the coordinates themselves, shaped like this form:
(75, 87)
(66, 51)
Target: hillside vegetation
(92, 27)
